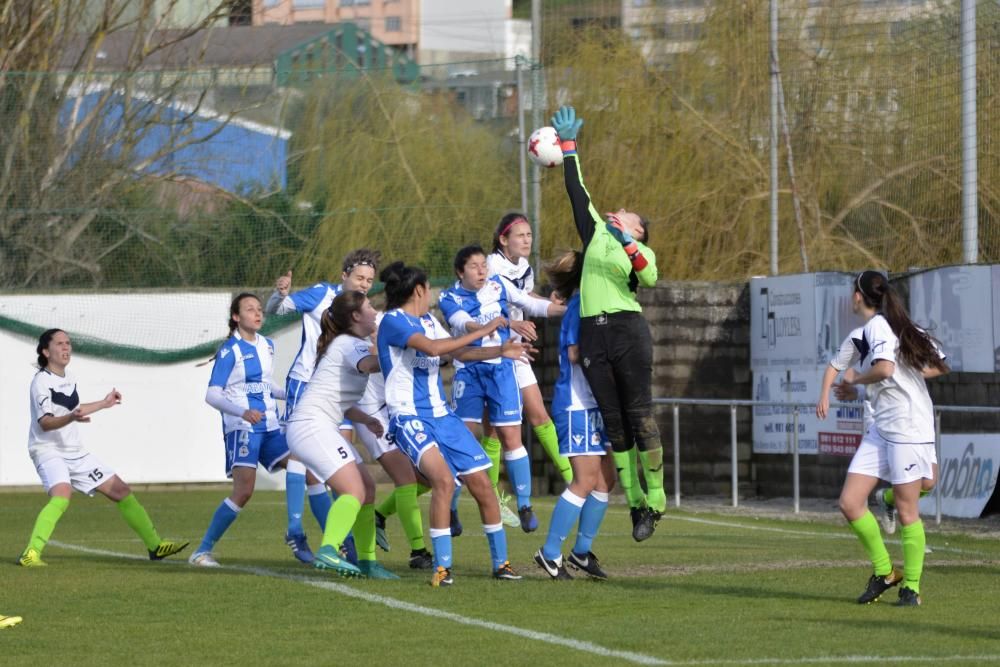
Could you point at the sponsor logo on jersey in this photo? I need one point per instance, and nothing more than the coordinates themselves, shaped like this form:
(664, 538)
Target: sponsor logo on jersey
(425, 362)
(256, 387)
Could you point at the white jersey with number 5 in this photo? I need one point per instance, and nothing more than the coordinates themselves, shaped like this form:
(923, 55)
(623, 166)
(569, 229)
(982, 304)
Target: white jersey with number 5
(336, 384)
(54, 395)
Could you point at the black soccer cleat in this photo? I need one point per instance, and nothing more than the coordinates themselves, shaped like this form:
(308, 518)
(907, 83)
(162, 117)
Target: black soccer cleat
(588, 564)
(553, 568)
(878, 585)
(381, 538)
(421, 559)
(644, 522)
(506, 573)
(908, 598)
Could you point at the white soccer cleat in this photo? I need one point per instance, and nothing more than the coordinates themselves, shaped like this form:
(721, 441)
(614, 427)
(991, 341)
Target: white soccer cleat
(888, 512)
(203, 559)
(507, 515)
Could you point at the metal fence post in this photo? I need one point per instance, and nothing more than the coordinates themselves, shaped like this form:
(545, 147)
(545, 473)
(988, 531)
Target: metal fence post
(677, 456)
(735, 453)
(937, 452)
(795, 457)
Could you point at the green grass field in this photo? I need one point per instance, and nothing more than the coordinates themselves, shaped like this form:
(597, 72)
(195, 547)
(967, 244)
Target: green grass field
(707, 589)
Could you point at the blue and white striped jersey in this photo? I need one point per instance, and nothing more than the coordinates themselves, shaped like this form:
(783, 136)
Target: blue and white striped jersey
(243, 370)
(311, 302)
(571, 391)
(461, 306)
(412, 379)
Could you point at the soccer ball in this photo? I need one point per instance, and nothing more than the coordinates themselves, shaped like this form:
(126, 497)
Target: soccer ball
(543, 147)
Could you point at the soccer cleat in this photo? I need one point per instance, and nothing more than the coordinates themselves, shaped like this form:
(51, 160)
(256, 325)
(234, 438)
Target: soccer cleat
(441, 577)
(381, 538)
(348, 551)
(328, 558)
(507, 515)
(879, 584)
(203, 559)
(374, 570)
(165, 549)
(887, 514)
(908, 598)
(421, 559)
(588, 564)
(506, 573)
(300, 548)
(456, 524)
(527, 519)
(553, 568)
(644, 522)
(9, 621)
(31, 558)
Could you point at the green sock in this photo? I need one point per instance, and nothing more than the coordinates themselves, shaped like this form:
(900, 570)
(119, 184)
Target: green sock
(388, 506)
(409, 515)
(652, 470)
(546, 434)
(137, 519)
(492, 448)
(914, 540)
(364, 532)
(866, 528)
(46, 522)
(339, 520)
(624, 463)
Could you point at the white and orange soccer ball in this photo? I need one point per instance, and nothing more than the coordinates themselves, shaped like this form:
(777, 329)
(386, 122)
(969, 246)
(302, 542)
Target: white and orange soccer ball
(543, 147)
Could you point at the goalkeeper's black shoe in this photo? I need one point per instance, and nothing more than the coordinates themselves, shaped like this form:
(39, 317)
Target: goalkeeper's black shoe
(165, 549)
(421, 559)
(879, 584)
(588, 564)
(644, 522)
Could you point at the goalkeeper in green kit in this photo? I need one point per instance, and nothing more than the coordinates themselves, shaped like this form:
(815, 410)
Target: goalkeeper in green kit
(616, 349)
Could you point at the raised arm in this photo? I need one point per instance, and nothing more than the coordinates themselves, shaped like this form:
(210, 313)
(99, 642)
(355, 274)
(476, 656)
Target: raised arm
(585, 216)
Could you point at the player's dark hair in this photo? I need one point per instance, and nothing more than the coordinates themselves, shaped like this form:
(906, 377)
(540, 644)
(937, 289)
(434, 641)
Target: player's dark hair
(361, 257)
(43, 344)
(234, 308)
(338, 318)
(916, 347)
(504, 227)
(400, 281)
(564, 273)
(645, 229)
(465, 254)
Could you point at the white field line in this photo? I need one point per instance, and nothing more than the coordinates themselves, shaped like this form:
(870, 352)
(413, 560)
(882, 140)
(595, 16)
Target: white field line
(584, 646)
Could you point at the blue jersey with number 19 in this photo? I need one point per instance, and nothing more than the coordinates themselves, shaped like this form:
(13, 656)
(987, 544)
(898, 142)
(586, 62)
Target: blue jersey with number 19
(243, 370)
(412, 378)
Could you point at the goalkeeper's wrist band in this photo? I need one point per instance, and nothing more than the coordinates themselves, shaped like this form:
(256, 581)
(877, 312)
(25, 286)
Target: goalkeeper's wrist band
(636, 257)
(568, 146)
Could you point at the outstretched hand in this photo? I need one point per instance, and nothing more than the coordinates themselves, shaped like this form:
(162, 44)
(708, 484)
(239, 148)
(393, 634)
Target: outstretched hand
(566, 123)
(284, 283)
(619, 233)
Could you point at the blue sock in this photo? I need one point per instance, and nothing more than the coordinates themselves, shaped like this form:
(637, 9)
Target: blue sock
(320, 503)
(564, 517)
(441, 543)
(221, 520)
(519, 471)
(590, 521)
(454, 499)
(497, 538)
(295, 495)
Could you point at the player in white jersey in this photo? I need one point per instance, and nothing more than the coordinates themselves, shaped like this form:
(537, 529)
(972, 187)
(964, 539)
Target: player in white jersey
(358, 273)
(509, 260)
(63, 464)
(848, 356)
(581, 438)
(345, 361)
(897, 357)
(242, 389)
(411, 343)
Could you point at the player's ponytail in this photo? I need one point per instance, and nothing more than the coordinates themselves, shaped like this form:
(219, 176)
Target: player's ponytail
(564, 273)
(43, 344)
(337, 319)
(916, 347)
(400, 282)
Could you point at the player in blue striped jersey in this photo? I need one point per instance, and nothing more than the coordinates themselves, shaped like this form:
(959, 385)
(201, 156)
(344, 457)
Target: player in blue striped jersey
(581, 439)
(411, 343)
(468, 305)
(358, 274)
(242, 389)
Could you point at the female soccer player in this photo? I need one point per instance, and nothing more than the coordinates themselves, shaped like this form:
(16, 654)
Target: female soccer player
(345, 361)
(242, 389)
(615, 343)
(56, 448)
(358, 273)
(581, 438)
(411, 343)
(470, 303)
(509, 260)
(899, 447)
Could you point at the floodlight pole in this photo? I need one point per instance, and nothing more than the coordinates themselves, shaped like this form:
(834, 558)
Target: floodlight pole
(537, 103)
(970, 193)
(523, 166)
(773, 60)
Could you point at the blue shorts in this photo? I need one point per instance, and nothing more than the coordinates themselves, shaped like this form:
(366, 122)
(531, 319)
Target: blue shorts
(293, 392)
(581, 432)
(493, 386)
(460, 449)
(247, 449)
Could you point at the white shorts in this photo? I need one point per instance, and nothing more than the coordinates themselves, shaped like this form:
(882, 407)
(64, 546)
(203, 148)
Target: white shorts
(524, 373)
(896, 463)
(320, 447)
(84, 473)
(376, 446)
